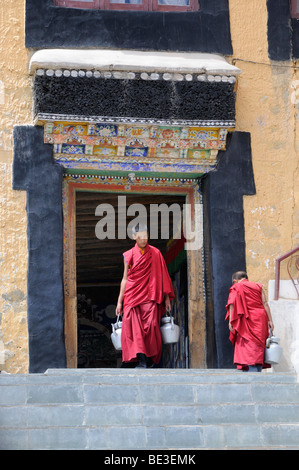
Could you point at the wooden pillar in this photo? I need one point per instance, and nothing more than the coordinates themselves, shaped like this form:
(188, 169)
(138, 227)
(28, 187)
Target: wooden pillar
(70, 281)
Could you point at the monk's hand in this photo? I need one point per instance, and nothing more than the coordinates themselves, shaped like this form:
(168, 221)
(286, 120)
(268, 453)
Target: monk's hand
(271, 325)
(118, 309)
(230, 327)
(167, 304)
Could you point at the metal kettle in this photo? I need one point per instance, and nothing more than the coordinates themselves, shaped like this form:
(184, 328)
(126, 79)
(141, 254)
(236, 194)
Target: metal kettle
(116, 334)
(273, 350)
(169, 330)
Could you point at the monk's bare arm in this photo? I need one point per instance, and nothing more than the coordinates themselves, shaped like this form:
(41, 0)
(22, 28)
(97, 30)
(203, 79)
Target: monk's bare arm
(268, 311)
(167, 303)
(118, 310)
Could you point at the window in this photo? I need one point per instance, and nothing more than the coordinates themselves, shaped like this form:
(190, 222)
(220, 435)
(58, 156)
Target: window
(294, 8)
(145, 5)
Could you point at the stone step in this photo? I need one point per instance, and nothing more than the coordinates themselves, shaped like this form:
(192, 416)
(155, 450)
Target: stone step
(179, 375)
(149, 409)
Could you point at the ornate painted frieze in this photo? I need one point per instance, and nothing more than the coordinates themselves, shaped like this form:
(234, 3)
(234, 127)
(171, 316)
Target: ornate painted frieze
(126, 183)
(142, 148)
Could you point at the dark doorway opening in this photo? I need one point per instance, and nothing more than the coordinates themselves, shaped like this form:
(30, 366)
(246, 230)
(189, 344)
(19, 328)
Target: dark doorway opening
(99, 265)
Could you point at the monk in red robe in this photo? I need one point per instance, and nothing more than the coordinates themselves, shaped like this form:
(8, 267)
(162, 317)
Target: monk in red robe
(145, 294)
(249, 318)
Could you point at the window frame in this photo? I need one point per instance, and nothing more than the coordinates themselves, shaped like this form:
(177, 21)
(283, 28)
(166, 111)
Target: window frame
(146, 5)
(92, 4)
(125, 6)
(294, 9)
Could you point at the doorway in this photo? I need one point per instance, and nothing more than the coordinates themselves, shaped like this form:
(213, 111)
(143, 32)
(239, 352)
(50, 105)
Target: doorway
(99, 269)
(103, 272)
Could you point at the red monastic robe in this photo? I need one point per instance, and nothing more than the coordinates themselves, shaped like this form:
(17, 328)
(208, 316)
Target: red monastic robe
(147, 284)
(250, 324)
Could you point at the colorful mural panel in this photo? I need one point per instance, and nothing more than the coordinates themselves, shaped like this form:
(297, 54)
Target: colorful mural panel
(118, 146)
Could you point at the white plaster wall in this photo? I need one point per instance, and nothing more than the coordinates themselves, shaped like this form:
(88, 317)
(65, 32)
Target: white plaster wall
(285, 314)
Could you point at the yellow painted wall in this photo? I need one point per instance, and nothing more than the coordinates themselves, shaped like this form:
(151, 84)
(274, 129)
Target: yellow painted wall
(15, 109)
(266, 107)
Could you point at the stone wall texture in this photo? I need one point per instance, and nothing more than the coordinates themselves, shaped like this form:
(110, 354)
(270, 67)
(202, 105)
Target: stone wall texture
(15, 109)
(267, 107)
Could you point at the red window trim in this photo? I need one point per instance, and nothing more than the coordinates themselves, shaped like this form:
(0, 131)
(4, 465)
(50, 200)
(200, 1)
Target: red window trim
(147, 5)
(294, 10)
(69, 4)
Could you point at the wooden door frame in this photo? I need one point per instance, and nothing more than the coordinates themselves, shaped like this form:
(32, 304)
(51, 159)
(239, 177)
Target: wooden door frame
(196, 292)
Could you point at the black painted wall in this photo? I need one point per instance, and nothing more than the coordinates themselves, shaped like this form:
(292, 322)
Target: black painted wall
(295, 38)
(207, 30)
(223, 192)
(283, 32)
(35, 171)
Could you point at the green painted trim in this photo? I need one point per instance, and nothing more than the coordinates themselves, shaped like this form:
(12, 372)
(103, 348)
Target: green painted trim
(77, 171)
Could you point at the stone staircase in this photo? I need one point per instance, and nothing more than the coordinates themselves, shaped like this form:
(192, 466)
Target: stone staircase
(156, 409)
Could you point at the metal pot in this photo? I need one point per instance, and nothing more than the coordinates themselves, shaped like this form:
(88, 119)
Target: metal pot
(273, 350)
(169, 331)
(116, 334)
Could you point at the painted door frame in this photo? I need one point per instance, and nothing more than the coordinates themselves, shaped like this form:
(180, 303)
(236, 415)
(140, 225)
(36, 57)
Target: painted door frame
(196, 291)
